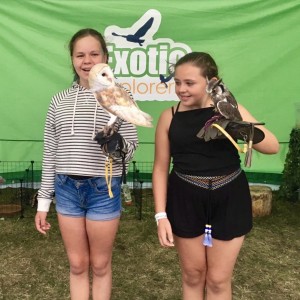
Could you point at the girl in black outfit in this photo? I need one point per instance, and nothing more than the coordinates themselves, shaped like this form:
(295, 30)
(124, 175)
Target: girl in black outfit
(203, 206)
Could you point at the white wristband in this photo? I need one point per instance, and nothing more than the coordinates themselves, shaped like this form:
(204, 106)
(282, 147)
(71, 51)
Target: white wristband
(160, 215)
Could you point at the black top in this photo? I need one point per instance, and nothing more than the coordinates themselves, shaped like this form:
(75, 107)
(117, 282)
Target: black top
(192, 155)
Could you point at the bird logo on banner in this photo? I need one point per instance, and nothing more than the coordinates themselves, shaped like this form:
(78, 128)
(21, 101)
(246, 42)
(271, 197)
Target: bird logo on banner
(136, 37)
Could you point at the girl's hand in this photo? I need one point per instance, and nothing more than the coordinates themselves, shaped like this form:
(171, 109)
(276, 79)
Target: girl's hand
(165, 234)
(41, 224)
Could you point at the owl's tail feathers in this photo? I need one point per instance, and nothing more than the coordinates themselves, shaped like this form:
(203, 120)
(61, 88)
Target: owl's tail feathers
(144, 119)
(134, 116)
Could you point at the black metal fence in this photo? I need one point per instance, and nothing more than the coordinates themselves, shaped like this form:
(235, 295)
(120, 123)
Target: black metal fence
(20, 180)
(142, 187)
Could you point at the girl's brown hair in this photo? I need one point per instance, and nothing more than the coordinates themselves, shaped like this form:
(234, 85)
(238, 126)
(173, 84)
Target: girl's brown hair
(201, 60)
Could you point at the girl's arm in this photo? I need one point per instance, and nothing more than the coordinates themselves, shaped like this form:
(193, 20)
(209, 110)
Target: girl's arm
(160, 176)
(269, 145)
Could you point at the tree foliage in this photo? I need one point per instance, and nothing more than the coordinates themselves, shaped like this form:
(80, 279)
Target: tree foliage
(290, 186)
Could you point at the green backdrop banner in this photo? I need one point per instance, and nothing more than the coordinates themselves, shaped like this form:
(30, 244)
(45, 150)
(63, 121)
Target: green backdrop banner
(255, 43)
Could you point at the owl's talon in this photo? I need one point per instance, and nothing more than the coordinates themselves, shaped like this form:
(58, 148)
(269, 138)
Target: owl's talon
(107, 130)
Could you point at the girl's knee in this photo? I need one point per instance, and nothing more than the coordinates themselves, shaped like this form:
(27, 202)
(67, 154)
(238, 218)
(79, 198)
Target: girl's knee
(194, 277)
(217, 284)
(79, 267)
(101, 268)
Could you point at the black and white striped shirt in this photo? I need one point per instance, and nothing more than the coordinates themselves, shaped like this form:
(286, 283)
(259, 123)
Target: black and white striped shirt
(72, 121)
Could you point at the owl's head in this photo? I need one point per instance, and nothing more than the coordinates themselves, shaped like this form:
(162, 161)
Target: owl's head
(101, 77)
(213, 86)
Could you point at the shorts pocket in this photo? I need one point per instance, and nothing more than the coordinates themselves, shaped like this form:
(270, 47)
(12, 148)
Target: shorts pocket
(60, 179)
(100, 185)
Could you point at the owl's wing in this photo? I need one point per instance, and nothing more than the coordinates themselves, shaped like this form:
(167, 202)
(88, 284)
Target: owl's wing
(229, 111)
(231, 99)
(118, 102)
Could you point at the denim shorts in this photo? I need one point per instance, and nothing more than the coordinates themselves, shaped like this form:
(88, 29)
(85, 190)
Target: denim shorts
(88, 198)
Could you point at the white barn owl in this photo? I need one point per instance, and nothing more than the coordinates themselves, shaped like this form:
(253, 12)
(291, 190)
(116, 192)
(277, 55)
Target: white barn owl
(114, 99)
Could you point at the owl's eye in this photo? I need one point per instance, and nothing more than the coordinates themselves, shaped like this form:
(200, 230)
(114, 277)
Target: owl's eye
(103, 74)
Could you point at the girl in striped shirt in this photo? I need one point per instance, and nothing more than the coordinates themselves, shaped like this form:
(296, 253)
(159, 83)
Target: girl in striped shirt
(88, 208)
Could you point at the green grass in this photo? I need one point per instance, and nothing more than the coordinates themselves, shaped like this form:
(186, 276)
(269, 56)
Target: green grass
(35, 267)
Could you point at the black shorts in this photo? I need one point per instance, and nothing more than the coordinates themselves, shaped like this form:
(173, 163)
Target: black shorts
(227, 209)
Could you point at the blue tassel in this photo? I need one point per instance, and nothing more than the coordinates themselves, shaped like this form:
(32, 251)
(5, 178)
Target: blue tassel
(207, 236)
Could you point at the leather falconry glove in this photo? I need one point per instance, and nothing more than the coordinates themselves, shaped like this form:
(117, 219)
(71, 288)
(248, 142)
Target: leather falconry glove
(112, 146)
